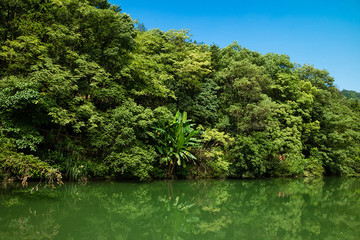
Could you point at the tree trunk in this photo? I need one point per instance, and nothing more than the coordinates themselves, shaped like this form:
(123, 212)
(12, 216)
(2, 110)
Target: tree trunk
(172, 167)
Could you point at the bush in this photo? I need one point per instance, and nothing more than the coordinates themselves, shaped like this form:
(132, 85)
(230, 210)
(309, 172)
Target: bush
(14, 165)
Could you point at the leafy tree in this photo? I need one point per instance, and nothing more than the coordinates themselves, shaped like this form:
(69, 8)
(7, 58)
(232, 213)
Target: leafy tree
(212, 157)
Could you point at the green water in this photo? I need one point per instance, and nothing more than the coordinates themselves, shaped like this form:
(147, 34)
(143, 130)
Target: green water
(232, 209)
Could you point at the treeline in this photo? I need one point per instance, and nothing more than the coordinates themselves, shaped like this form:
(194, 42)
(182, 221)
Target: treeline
(351, 94)
(86, 94)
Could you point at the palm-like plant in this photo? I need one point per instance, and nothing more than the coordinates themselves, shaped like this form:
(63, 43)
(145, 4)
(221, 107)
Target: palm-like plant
(175, 141)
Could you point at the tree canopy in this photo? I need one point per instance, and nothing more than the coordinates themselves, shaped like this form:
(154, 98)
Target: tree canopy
(84, 93)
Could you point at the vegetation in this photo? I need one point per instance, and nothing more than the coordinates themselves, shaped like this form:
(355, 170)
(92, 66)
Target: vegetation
(351, 94)
(175, 141)
(84, 92)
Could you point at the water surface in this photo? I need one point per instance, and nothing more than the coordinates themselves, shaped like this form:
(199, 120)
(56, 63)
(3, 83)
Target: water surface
(230, 209)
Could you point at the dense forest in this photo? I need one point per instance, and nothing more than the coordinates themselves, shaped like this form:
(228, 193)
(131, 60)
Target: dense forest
(351, 94)
(85, 92)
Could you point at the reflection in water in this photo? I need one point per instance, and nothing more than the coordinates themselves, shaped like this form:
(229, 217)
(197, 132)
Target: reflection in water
(238, 209)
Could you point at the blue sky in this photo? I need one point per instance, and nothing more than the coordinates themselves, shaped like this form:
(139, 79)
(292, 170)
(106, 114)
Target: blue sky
(323, 33)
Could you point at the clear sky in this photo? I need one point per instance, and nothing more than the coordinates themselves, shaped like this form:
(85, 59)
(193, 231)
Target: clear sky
(323, 33)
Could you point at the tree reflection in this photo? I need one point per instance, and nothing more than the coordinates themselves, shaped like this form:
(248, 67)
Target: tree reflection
(235, 209)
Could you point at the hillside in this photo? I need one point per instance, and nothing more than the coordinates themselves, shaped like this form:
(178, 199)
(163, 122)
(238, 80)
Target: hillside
(351, 94)
(85, 94)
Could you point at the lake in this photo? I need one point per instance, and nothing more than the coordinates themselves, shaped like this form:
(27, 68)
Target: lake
(326, 208)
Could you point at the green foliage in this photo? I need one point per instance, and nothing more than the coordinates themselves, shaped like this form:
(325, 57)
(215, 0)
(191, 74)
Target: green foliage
(206, 103)
(134, 162)
(175, 141)
(81, 88)
(351, 94)
(121, 140)
(318, 78)
(212, 157)
(314, 167)
(22, 167)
